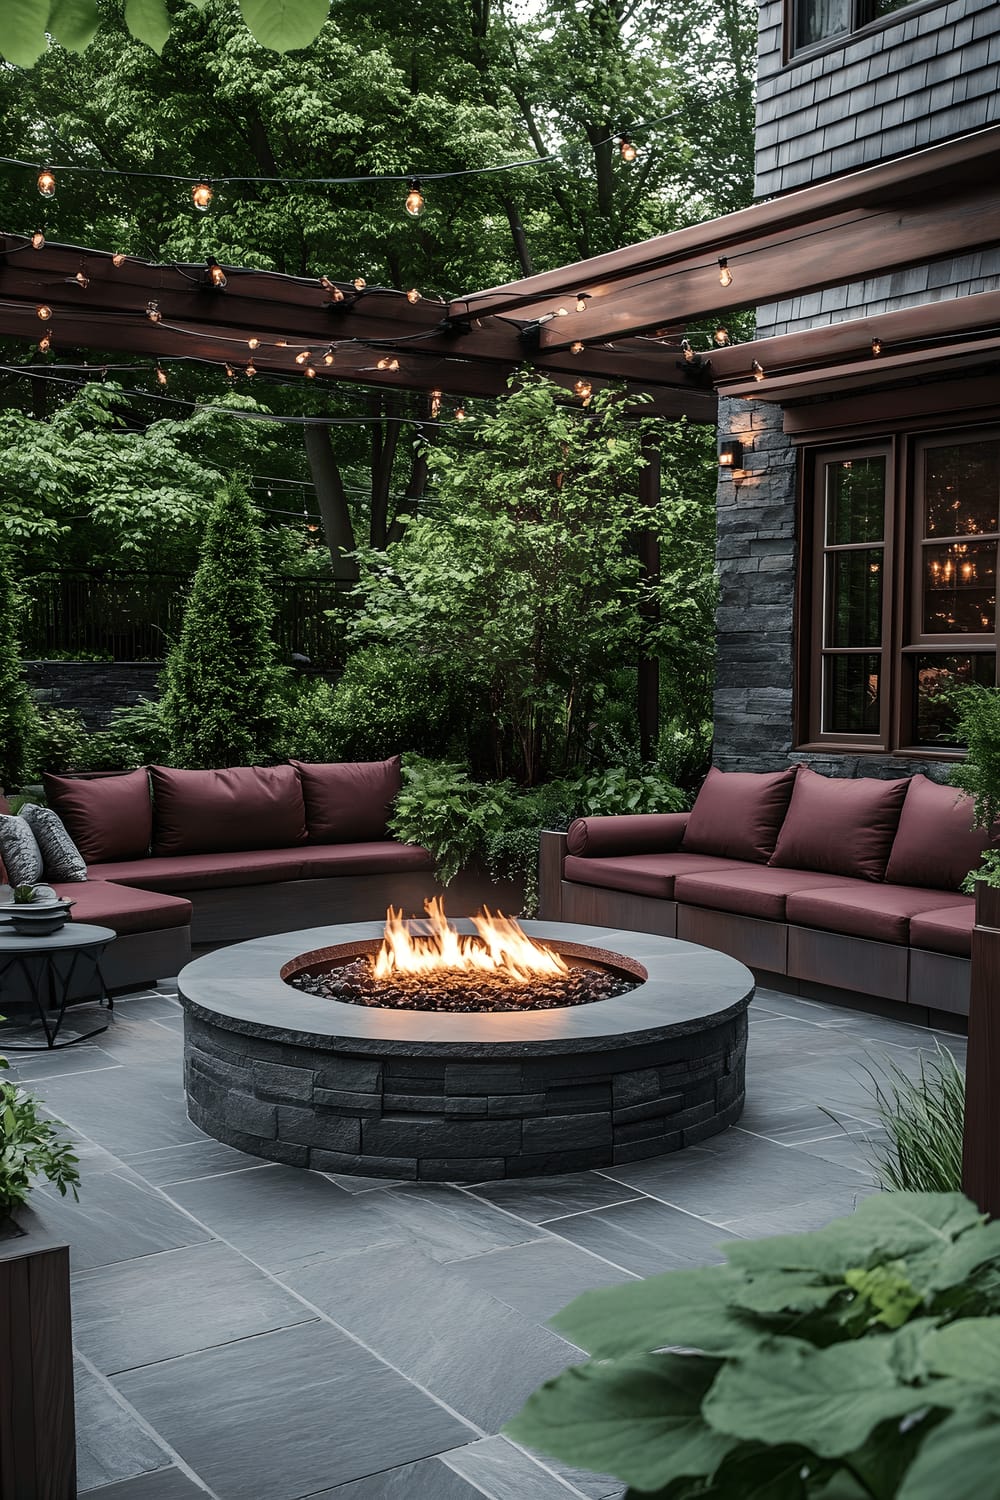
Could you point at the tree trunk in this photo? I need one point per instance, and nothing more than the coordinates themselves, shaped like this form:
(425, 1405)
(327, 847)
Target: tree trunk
(518, 235)
(333, 508)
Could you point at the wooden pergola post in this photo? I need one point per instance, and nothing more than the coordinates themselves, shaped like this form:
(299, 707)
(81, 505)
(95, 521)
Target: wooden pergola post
(649, 559)
(981, 1144)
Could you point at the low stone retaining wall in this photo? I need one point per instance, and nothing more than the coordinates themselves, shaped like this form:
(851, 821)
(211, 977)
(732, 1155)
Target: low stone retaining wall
(92, 687)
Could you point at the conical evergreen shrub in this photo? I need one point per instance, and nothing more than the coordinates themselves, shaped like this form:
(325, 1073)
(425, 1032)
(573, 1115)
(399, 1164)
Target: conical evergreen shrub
(221, 704)
(19, 726)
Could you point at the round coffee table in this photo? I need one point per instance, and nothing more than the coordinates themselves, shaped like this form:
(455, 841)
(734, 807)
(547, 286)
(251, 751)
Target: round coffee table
(47, 967)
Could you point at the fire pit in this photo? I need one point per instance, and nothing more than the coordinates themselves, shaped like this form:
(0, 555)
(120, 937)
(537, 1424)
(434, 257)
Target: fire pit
(643, 1053)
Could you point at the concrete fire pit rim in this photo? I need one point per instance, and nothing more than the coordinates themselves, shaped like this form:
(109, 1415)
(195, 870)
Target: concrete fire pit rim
(689, 988)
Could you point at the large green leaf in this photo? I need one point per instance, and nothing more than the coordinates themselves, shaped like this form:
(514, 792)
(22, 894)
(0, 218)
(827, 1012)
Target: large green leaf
(970, 1251)
(74, 23)
(959, 1459)
(968, 1349)
(148, 22)
(639, 1419)
(285, 24)
(22, 30)
(681, 1309)
(755, 1472)
(786, 1291)
(829, 1399)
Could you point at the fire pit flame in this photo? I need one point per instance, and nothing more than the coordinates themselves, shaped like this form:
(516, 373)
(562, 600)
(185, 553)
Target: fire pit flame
(501, 948)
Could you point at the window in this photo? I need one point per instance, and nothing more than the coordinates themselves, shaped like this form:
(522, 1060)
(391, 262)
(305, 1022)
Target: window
(815, 21)
(903, 580)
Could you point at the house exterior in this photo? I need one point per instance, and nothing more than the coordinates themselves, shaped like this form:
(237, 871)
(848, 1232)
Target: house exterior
(857, 547)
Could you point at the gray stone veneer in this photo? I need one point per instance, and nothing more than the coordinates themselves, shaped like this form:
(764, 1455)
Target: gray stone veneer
(92, 687)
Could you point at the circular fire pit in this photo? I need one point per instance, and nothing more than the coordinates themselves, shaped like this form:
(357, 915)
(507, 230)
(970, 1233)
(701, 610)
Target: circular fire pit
(430, 1095)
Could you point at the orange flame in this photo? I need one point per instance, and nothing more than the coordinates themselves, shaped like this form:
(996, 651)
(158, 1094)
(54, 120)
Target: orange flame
(501, 948)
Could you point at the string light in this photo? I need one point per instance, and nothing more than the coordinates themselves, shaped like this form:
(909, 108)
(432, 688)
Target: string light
(725, 274)
(876, 346)
(332, 288)
(435, 403)
(413, 296)
(161, 375)
(328, 357)
(302, 356)
(689, 355)
(562, 312)
(582, 298)
(583, 389)
(758, 370)
(385, 363)
(118, 259)
(45, 342)
(309, 372)
(721, 336)
(202, 195)
(43, 311)
(359, 283)
(215, 271)
(230, 373)
(576, 347)
(628, 149)
(153, 312)
(459, 413)
(250, 370)
(37, 240)
(47, 183)
(253, 343)
(82, 279)
(415, 203)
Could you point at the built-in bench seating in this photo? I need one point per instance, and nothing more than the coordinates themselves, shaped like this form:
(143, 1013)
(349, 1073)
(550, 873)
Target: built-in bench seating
(847, 883)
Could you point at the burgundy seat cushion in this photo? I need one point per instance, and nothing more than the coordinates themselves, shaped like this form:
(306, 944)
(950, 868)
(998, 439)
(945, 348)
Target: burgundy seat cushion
(753, 891)
(642, 874)
(213, 812)
(936, 843)
(879, 912)
(375, 857)
(948, 931)
(123, 909)
(738, 814)
(107, 816)
(351, 802)
(203, 872)
(628, 833)
(839, 824)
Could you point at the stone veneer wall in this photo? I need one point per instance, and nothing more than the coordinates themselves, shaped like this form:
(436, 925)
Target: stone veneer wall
(92, 687)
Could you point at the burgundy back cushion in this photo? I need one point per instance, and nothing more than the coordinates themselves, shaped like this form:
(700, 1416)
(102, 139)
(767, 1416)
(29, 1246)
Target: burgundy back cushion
(349, 803)
(935, 843)
(108, 816)
(215, 812)
(737, 814)
(840, 825)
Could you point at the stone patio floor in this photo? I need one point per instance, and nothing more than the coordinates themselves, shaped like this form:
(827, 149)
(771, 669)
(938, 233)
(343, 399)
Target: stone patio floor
(256, 1332)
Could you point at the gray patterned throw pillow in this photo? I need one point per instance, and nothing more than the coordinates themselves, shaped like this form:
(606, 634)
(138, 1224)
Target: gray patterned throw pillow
(61, 858)
(19, 851)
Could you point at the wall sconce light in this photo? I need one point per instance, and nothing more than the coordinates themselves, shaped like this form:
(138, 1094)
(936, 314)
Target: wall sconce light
(731, 454)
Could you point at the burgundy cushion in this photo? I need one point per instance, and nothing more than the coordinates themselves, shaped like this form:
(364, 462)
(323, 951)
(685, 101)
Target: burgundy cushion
(738, 814)
(629, 833)
(840, 824)
(122, 909)
(936, 843)
(948, 931)
(753, 891)
(351, 802)
(881, 912)
(107, 816)
(643, 874)
(212, 812)
(203, 872)
(379, 856)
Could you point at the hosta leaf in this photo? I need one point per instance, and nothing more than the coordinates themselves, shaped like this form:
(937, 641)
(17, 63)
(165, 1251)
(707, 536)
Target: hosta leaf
(683, 1309)
(74, 23)
(285, 24)
(887, 1289)
(968, 1349)
(148, 22)
(786, 1291)
(829, 1399)
(639, 1419)
(970, 1250)
(958, 1459)
(22, 30)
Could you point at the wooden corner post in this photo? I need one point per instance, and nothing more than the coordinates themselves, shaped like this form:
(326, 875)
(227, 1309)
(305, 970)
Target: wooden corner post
(981, 1145)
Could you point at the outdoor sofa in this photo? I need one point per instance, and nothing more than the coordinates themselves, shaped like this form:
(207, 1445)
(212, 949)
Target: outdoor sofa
(825, 883)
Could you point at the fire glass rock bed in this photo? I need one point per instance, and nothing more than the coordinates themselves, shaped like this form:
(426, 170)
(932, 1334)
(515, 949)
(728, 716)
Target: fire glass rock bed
(314, 1082)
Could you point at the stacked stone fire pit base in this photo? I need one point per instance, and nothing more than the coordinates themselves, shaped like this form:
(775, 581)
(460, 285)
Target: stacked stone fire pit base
(420, 1095)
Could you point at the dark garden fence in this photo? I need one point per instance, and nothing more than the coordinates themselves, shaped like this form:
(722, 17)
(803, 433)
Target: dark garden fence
(136, 616)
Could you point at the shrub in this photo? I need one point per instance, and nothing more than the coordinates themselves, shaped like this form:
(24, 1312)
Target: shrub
(923, 1119)
(441, 807)
(135, 736)
(859, 1360)
(62, 743)
(978, 727)
(30, 1147)
(18, 716)
(222, 704)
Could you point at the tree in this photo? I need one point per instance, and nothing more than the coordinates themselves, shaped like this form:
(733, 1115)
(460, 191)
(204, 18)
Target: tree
(18, 719)
(221, 706)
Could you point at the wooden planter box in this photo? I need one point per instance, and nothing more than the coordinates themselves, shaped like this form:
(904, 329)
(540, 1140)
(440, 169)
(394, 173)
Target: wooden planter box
(37, 1420)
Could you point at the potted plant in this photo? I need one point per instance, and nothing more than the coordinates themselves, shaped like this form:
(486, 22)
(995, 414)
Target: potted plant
(36, 910)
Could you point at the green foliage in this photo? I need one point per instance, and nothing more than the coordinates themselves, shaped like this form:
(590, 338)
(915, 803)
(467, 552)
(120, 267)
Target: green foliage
(62, 741)
(30, 1147)
(923, 1118)
(978, 727)
(860, 1360)
(18, 716)
(136, 735)
(441, 807)
(222, 706)
(988, 872)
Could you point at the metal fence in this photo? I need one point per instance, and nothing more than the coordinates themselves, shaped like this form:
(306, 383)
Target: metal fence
(136, 616)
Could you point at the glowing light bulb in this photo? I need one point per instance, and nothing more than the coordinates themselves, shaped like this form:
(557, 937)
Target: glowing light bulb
(302, 356)
(459, 413)
(250, 370)
(309, 372)
(216, 273)
(118, 259)
(721, 336)
(45, 343)
(628, 149)
(82, 279)
(336, 295)
(385, 363)
(230, 373)
(688, 351)
(758, 370)
(582, 298)
(253, 343)
(415, 203)
(37, 240)
(43, 311)
(328, 357)
(562, 312)
(153, 312)
(161, 375)
(201, 196)
(47, 183)
(435, 403)
(359, 283)
(725, 274)
(583, 389)
(576, 347)
(413, 295)
(876, 347)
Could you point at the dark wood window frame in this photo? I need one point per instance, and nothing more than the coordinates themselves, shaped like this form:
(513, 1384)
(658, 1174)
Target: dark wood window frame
(863, 23)
(904, 641)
